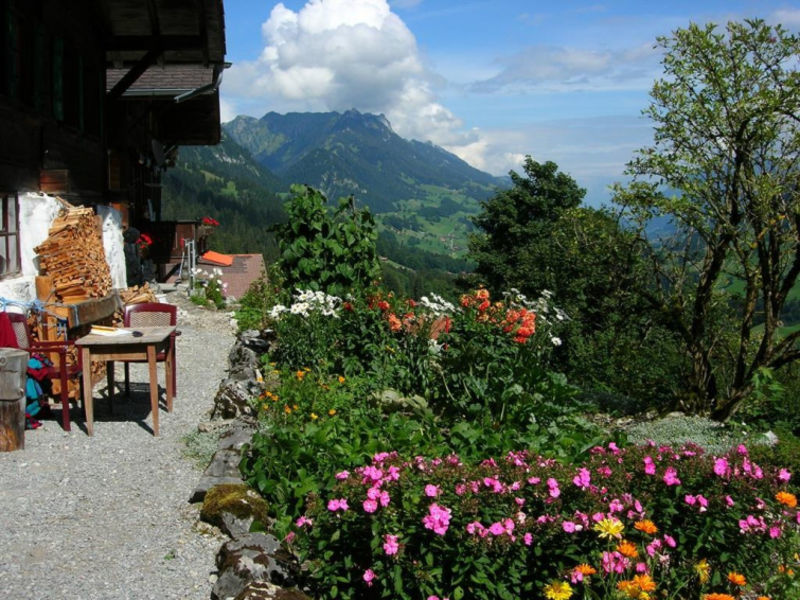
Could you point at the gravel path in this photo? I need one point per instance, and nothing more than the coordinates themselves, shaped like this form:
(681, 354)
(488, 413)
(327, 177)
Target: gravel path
(106, 517)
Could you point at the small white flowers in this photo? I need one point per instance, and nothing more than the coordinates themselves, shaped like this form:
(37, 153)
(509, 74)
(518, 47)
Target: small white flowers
(307, 302)
(555, 340)
(437, 305)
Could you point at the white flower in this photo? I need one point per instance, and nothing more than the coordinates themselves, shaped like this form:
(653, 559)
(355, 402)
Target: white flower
(277, 311)
(299, 308)
(556, 341)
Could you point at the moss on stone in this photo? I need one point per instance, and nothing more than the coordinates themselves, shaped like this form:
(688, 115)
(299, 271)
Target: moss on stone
(239, 499)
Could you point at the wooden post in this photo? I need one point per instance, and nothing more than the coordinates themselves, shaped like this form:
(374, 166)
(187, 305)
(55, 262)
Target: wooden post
(13, 366)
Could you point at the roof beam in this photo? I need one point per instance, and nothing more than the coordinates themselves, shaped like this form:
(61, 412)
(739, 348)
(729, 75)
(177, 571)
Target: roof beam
(131, 76)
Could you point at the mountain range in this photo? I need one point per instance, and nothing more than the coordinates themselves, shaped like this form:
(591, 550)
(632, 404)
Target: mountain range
(422, 196)
(358, 154)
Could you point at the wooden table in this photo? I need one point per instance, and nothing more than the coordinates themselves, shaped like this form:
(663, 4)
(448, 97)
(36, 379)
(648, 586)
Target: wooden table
(127, 347)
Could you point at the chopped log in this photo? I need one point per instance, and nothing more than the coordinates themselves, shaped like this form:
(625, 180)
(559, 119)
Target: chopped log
(13, 364)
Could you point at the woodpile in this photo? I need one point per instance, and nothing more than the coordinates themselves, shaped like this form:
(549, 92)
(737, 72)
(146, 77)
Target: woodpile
(73, 269)
(73, 257)
(138, 294)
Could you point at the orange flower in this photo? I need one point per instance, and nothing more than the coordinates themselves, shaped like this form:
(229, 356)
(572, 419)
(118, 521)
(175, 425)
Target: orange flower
(763, 598)
(482, 294)
(300, 375)
(646, 526)
(628, 549)
(737, 578)
(585, 569)
(645, 582)
(786, 498)
(394, 323)
(628, 587)
(718, 597)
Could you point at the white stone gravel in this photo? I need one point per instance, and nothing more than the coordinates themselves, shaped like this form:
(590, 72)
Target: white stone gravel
(107, 517)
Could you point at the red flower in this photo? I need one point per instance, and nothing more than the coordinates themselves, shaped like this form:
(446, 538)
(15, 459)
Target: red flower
(383, 305)
(210, 221)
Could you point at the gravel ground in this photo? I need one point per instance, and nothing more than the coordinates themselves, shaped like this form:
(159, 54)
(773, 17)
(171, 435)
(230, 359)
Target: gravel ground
(106, 517)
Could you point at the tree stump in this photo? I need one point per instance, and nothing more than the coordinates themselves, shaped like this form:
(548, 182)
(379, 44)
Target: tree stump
(13, 366)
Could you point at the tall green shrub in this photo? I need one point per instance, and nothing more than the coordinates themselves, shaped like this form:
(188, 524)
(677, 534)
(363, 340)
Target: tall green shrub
(334, 253)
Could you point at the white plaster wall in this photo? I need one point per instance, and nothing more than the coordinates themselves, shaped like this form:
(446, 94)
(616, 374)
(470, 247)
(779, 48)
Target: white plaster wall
(36, 213)
(113, 245)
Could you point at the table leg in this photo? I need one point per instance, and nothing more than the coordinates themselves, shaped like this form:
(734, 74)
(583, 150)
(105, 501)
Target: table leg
(151, 364)
(170, 369)
(86, 359)
(110, 384)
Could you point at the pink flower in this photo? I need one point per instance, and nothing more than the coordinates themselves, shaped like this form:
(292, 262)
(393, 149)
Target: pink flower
(437, 519)
(671, 476)
(670, 541)
(338, 504)
(615, 506)
(774, 532)
(527, 539)
(368, 576)
(614, 562)
(303, 521)
(552, 485)
(289, 537)
(384, 498)
(721, 467)
(649, 466)
(583, 479)
(370, 506)
(689, 499)
(741, 449)
(342, 475)
(497, 529)
(431, 491)
(568, 526)
(784, 475)
(390, 545)
(641, 567)
(729, 501)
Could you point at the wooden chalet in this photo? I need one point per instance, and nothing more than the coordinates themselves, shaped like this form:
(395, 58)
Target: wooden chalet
(95, 98)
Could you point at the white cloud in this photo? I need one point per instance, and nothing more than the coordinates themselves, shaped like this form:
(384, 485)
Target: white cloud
(556, 68)
(787, 17)
(343, 54)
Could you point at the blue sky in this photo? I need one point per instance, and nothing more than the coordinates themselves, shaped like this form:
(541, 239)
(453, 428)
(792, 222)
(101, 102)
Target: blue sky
(491, 81)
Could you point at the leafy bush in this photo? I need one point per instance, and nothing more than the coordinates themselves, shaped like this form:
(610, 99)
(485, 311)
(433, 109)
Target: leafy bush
(319, 251)
(627, 522)
(255, 304)
(209, 290)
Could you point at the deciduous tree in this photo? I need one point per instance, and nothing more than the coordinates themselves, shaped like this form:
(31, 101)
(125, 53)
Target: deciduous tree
(724, 167)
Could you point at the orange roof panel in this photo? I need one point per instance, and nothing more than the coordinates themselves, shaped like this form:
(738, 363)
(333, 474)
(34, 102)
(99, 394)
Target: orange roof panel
(217, 258)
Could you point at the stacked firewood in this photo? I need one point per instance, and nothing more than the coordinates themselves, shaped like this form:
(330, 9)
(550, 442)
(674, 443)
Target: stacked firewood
(73, 269)
(137, 294)
(73, 257)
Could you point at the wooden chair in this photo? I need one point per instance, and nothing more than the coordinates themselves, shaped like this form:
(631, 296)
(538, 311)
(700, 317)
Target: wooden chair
(153, 314)
(56, 352)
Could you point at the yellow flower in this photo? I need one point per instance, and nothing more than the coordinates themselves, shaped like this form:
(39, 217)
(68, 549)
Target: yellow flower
(300, 375)
(558, 590)
(287, 409)
(737, 578)
(314, 416)
(332, 412)
(646, 526)
(341, 379)
(703, 570)
(609, 527)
